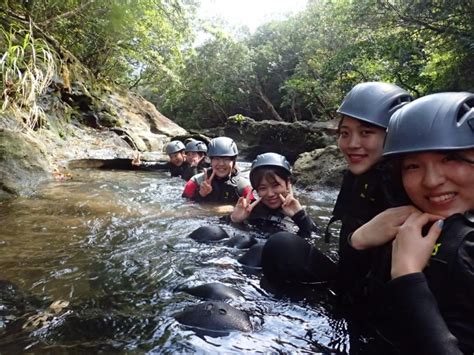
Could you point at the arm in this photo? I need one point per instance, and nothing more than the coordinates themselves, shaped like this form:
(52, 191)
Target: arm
(304, 222)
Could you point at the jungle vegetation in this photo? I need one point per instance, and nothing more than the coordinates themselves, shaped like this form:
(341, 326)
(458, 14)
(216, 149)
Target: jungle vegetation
(290, 70)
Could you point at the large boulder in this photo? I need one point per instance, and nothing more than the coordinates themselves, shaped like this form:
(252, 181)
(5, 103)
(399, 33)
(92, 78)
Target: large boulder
(320, 167)
(289, 139)
(23, 163)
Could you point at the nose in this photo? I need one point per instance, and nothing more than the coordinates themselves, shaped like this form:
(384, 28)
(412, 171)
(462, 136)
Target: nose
(354, 141)
(433, 176)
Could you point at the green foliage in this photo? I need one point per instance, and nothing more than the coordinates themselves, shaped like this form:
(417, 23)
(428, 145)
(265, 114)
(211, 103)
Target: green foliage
(27, 67)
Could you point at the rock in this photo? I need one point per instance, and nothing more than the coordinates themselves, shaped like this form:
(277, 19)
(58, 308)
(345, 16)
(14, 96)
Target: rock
(241, 241)
(23, 163)
(289, 139)
(214, 318)
(320, 167)
(253, 257)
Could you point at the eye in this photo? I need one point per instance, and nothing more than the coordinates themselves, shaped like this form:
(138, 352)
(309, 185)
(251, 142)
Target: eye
(410, 166)
(366, 132)
(343, 134)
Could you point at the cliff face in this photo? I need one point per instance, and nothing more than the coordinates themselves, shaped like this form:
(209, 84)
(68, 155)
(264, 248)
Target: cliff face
(82, 120)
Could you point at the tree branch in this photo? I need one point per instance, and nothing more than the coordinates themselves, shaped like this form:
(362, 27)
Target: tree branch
(67, 14)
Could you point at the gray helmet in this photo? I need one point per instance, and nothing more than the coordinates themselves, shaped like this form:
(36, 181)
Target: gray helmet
(374, 102)
(269, 160)
(443, 121)
(222, 147)
(174, 147)
(196, 146)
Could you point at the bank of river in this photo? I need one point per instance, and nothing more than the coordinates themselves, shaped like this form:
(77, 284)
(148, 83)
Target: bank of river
(114, 245)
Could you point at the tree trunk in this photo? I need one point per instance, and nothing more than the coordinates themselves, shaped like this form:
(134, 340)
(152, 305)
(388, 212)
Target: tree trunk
(269, 105)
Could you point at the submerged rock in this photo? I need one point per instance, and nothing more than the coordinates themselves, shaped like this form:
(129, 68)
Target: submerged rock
(253, 257)
(214, 319)
(215, 291)
(208, 234)
(241, 241)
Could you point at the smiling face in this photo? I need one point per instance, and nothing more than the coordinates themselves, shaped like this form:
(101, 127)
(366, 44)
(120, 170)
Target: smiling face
(360, 143)
(270, 188)
(440, 183)
(192, 157)
(222, 166)
(177, 159)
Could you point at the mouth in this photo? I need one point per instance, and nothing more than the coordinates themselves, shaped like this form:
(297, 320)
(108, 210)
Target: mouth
(441, 199)
(356, 158)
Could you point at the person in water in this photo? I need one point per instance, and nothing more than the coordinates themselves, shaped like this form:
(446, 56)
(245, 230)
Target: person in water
(430, 143)
(196, 158)
(223, 182)
(177, 164)
(366, 111)
(270, 177)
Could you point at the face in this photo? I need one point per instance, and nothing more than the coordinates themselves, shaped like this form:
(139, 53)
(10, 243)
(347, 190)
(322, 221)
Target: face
(222, 166)
(269, 190)
(361, 144)
(440, 183)
(192, 157)
(177, 158)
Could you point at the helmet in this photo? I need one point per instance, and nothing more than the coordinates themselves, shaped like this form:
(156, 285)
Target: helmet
(374, 102)
(269, 160)
(443, 121)
(174, 147)
(222, 147)
(196, 146)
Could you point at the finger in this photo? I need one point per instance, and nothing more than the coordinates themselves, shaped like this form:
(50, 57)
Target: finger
(212, 176)
(254, 203)
(247, 197)
(435, 230)
(290, 189)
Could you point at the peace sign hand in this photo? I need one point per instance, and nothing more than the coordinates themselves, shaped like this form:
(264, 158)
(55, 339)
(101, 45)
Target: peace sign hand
(196, 161)
(290, 205)
(206, 186)
(243, 208)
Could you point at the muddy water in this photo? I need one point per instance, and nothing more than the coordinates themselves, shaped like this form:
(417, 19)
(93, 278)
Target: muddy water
(113, 245)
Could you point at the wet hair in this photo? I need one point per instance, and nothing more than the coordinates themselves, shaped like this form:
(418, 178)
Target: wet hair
(363, 123)
(268, 173)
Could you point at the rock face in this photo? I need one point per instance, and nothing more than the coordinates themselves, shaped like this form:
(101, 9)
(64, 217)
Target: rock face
(79, 125)
(289, 139)
(320, 167)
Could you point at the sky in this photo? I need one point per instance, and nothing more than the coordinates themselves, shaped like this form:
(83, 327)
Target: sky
(251, 13)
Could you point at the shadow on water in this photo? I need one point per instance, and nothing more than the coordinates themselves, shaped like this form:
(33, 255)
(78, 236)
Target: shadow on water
(113, 247)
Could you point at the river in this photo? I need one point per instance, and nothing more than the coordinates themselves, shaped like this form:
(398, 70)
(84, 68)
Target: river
(113, 247)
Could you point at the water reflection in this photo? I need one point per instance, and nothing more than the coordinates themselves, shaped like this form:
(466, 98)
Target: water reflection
(113, 244)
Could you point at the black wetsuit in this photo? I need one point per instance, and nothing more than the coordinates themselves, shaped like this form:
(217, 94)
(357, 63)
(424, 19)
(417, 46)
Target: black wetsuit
(435, 309)
(226, 190)
(190, 171)
(175, 171)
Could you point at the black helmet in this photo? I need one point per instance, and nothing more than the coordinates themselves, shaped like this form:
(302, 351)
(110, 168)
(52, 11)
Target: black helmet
(222, 147)
(443, 121)
(269, 160)
(174, 147)
(374, 102)
(196, 146)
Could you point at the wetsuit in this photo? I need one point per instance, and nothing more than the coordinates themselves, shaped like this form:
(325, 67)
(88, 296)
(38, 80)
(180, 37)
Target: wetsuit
(435, 308)
(226, 190)
(175, 171)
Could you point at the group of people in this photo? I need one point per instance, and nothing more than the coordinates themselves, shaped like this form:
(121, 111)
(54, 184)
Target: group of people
(406, 207)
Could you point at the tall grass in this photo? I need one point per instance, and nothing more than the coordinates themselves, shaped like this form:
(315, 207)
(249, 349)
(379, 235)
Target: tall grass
(27, 68)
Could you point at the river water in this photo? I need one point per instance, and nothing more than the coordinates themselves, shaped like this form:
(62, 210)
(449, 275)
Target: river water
(113, 246)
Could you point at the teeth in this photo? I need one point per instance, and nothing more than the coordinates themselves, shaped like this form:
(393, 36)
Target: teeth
(441, 198)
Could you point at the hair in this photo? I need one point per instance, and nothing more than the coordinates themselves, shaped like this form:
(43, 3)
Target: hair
(269, 173)
(364, 123)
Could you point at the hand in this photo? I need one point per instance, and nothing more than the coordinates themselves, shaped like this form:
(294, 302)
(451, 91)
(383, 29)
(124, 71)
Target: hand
(382, 228)
(243, 208)
(410, 250)
(136, 159)
(206, 186)
(290, 205)
(196, 160)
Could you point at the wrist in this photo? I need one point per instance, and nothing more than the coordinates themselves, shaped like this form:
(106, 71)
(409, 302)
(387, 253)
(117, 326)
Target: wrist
(399, 271)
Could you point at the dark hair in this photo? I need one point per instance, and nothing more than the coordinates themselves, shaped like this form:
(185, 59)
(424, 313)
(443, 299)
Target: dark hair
(392, 185)
(363, 123)
(268, 173)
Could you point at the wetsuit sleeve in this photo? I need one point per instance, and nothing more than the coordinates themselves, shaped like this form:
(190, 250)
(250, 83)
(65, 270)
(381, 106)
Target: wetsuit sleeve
(424, 329)
(304, 222)
(191, 188)
(154, 165)
(243, 187)
(189, 172)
